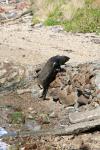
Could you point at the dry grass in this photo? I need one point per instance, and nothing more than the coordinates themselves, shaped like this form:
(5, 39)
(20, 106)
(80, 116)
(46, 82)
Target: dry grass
(44, 8)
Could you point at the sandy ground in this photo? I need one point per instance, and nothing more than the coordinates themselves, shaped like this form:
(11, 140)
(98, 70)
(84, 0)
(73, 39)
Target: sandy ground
(22, 43)
(33, 45)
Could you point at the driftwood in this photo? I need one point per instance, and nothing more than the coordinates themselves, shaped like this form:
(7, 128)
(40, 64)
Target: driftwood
(68, 130)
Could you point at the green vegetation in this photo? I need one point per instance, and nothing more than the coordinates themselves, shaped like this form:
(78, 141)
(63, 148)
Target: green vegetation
(17, 117)
(80, 17)
(85, 20)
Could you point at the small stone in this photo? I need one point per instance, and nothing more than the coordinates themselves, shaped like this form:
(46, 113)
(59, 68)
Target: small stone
(22, 91)
(22, 5)
(95, 104)
(57, 28)
(21, 71)
(11, 15)
(36, 91)
(56, 83)
(32, 125)
(67, 98)
(30, 108)
(70, 109)
(12, 76)
(23, 55)
(29, 116)
(1, 8)
(2, 72)
(44, 119)
(53, 115)
(38, 25)
(97, 82)
(2, 80)
(30, 146)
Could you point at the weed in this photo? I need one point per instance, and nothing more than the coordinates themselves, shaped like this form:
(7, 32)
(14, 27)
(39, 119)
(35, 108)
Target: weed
(73, 18)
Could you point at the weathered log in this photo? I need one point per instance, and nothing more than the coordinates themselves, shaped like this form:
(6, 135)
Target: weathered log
(68, 130)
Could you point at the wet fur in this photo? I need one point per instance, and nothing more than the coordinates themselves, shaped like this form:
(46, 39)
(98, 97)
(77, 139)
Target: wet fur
(49, 72)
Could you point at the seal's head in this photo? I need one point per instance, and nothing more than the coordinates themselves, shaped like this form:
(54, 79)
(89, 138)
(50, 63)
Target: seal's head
(63, 60)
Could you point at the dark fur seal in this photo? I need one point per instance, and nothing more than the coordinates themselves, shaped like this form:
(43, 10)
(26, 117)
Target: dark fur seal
(49, 72)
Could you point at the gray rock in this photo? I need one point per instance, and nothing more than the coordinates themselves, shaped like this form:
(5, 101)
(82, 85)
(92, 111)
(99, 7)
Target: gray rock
(2, 81)
(36, 91)
(57, 28)
(12, 76)
(84, 116)
(68, 99)
(11, 15)
(70, 109)
(69, 130)
(4, 146)
(2, 17)
(32, 125)
(97, 82)
(22, 91)
(2, 72)
(53, 115)
(38, 25)
(82, 100)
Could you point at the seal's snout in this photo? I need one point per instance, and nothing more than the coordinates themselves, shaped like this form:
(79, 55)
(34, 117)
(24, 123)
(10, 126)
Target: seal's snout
(67, 58)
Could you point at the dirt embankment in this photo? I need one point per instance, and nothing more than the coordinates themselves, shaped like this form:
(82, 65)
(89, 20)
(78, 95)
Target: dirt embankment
(34, 45)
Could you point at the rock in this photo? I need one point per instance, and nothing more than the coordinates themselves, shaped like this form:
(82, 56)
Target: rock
(2, 81)
(32, 125)
(44, 119)
(84, 116)
(53, 115)
(53, 92)
(22, 91)
(30, 146)
(70, 109)
(2, 131)
(36, 91)
(69, 130)
(82, 100)
(95, 104)
(56, 83)
(11, 76)
(2, 72)
(55, 98)
(15, 76)
(22, 5)
(87, 91)
(2, 17)
(67, 100)
(67, 96)
(1, 8)
(11, 15)
(38, 25)
(57, 28)
(29, 116)
(97, 82)
(84, 146)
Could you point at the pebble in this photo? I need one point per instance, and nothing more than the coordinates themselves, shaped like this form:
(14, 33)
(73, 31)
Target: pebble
(2, 72)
